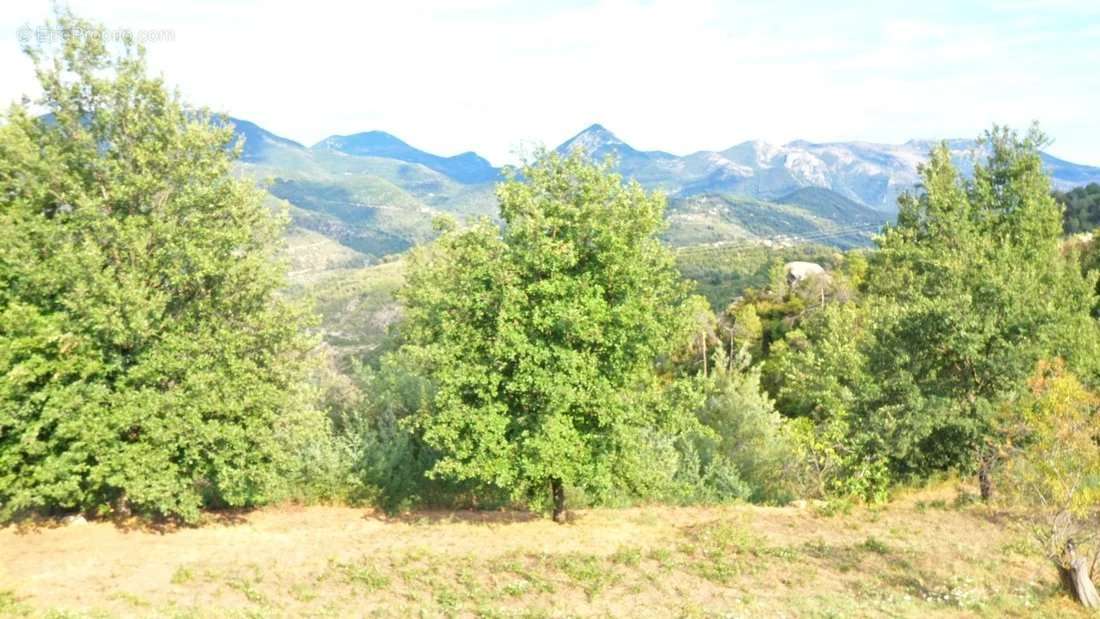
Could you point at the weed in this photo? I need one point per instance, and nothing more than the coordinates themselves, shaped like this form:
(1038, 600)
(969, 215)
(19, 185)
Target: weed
(182, 575)
(588, 571)
(10, 606)
(835, 506)
(446, 597)
(663, 557)
(361, 575)
(247, 588)
(629, 556)
(303, 592)
(133, 600)
(871, 544)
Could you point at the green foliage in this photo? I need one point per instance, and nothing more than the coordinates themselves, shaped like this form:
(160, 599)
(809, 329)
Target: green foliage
(147, 362)
(1054, 458)
(391, 457)
(745, 449)
(722, 274)
(820, 375)
(966, 293)
(1082, 208)
(540, 339)
(980, 291)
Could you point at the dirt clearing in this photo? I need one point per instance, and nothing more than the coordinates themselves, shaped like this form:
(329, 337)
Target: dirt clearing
(926, 555)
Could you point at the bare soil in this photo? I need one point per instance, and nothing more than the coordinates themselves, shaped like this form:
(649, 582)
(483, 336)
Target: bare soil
(928, 554)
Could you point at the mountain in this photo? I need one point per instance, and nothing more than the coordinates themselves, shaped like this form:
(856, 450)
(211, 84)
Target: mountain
(376, 195)
(371, 192)
(870, 174)
(259, 143)
(808, 215)
(467, 167)
(599, 143)
(825, 203)
(354, 200)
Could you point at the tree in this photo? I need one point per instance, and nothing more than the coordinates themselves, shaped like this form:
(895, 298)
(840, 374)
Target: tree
(1054, 467)
(745, 331)
(1082, 208)
(748, 441)
(540, 338)
(980, 292)
(820, 374)
(147, 362)
(966, 293)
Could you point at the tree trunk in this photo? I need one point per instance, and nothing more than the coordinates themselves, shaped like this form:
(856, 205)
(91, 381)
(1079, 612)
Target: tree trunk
(704, 336)
(1076, 578)
(985, 476)
(729, 357)
(557, 492)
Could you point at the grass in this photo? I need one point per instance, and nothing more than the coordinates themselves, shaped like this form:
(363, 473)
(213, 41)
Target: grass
(906, 560)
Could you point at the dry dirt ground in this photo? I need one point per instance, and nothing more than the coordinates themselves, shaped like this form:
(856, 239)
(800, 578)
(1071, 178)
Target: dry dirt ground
(927, 554)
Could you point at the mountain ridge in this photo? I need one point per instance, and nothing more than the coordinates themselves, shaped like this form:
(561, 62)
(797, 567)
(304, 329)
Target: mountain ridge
(870, 173)
(467, 167)
(376, 194)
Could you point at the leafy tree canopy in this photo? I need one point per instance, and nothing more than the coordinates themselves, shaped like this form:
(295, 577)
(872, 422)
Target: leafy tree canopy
(968, 291)
(146, 360)
(541, 337)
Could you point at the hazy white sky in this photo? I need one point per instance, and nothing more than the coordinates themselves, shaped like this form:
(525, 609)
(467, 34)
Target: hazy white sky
(679, 75)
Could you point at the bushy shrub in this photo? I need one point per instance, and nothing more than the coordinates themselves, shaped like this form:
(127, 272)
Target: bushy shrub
(742, 449)
(389, 456)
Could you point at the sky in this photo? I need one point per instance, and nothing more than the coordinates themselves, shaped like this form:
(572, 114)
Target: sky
(497, 77)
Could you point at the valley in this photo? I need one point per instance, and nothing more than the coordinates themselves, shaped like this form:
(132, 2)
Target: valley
(357, 202)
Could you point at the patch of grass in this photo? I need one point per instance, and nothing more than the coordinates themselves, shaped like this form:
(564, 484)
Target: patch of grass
(361, 575)
(592, 573)
(10, 606)
(446, 597)
(835, 506)
(303, 592)
(724, 537)
(721, 570)
(1022, 546)
(247, 588)
(958, 592)
(965, 499)
(518, 566)
(663, 556)
(872, 544)
(133, 600)
(923, 506)
(629, 556)
(182, 575)
(844, 559)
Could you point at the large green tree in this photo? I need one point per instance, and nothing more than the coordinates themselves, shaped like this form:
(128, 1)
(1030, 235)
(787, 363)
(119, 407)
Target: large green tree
(968, 291)
(540, 337)
(982, 292)
(146, 360)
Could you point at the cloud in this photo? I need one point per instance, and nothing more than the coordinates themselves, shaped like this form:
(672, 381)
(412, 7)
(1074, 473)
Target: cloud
(681, 76)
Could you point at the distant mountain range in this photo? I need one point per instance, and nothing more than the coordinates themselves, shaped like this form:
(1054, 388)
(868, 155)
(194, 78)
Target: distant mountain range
(870, 174)
(375, 194)
(356, 199)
